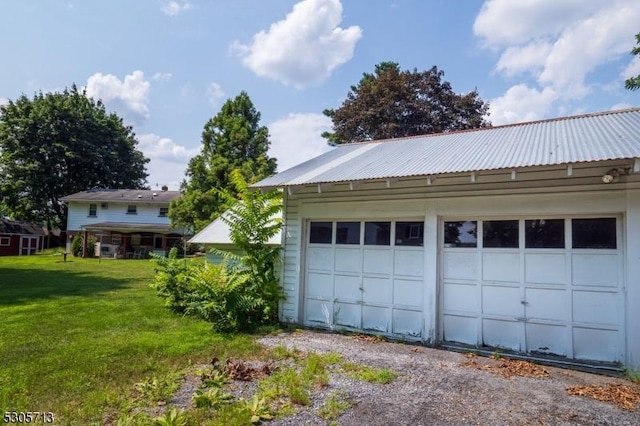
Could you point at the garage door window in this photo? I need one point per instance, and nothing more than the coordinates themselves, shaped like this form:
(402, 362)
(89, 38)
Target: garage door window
(544, 233)
(348, 233)
(597, 233)
(320, 232)
(377, 233)
(500, 234)
(461, 234)
(409, 233)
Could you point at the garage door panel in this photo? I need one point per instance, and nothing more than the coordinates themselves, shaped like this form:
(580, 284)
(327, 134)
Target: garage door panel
(596, 307)
(407, 323)
(502, 300)
(319, 286)
(501, 334)
(348, 314)
(320, 259)
(376, 319)
(348, 260)
(545, 268)
(409, 263)
(377, 261)
(503, 267)
(376, 290)
(595, 270)
(347, 287)
(461, 297)
(460, 329)
(547, 339)
(546, 304)
(594, 344)
(319, 312)
(408, 293)
(460, 266)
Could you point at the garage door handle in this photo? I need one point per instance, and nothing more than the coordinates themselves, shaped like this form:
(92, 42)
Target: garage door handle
(524, 302)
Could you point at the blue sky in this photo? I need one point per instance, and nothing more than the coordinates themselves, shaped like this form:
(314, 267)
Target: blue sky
(167, 66)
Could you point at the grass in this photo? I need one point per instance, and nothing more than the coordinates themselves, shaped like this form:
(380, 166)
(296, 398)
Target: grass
(77, 337)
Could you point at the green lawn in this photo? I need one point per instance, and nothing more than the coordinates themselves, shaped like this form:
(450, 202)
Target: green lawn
(76, 336)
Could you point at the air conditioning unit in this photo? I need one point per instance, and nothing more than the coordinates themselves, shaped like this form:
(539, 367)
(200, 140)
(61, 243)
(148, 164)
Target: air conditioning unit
(104, 206)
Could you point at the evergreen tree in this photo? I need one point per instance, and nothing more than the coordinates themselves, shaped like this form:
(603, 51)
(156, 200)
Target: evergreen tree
(233, 139)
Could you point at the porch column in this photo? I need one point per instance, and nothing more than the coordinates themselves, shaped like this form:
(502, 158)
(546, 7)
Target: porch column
(84, 243)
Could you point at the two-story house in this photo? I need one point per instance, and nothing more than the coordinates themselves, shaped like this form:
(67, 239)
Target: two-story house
(127, 223)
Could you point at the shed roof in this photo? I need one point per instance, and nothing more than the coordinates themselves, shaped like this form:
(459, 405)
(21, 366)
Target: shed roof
(123, 195)
(601, 136)
(20, 228)
(217, 232)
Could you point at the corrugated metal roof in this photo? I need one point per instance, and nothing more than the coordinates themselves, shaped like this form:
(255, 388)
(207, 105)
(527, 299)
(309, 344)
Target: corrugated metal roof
(585, 138)
(217, 232)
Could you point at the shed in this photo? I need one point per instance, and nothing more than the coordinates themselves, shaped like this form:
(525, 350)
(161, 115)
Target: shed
(20, 238)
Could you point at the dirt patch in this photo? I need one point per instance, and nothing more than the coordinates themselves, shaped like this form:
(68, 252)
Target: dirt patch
(435, 387)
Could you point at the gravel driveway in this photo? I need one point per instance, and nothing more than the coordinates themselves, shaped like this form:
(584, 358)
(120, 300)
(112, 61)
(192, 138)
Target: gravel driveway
(437, 387)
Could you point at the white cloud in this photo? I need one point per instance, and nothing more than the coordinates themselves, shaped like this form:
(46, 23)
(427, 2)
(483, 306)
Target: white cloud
(168, 159)
(173, 8)
(305, 47)
(633, 69)
(521, 103)
(163, 77)
(129, 97)
(557, 44)
(622, 105)
(296, 138)
(4, 101)
(215, 94)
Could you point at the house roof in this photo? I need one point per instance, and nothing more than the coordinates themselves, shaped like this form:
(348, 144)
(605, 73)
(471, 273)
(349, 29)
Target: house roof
(217, 232)
(123, 195)
(585, 138)
(20, 228)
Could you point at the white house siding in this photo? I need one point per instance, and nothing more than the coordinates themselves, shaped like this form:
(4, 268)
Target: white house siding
(116, 212)
(540, 193)
(290, 254)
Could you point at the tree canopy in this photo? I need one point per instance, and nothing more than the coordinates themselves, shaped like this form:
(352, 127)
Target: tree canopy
(233, 139)
(60, 143)
(391, 103)
(633, 83)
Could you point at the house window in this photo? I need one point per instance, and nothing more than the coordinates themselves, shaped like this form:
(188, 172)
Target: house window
(348, 233)
(164, 211)
(132, 209)
(500, 234)
(116, 239)
(409, 233)
(461, 234)
(5, 241)
(93, 210)
(377, 233)
(594, 233)
(135, 239)
(320, 232)
(544, 233)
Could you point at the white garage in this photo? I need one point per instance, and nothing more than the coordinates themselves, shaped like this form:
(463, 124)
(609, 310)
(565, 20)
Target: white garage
(549, 286)
(523, 237)
(365, 275)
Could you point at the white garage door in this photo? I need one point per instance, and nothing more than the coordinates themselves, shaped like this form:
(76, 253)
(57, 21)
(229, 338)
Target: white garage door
(365, 275)
(535, 285)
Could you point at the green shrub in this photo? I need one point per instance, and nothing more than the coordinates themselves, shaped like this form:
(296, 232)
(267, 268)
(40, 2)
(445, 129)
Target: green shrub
(76, 245)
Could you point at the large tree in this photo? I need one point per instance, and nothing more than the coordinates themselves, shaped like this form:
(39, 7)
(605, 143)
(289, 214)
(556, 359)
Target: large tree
(633, 83)
(392, 103)
(56, 144)
(233, 139)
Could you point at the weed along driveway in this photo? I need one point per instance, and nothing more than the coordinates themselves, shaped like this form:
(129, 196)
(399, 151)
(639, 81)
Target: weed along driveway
(437, 387)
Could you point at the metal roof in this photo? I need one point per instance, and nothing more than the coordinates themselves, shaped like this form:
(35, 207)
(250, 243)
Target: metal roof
(124, 195)
(585, 138)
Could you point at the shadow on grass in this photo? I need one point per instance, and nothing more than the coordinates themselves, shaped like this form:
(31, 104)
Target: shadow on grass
(19, 285)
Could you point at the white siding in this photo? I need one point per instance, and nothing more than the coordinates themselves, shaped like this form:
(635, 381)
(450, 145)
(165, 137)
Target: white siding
(116, 212)
(290, 273)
